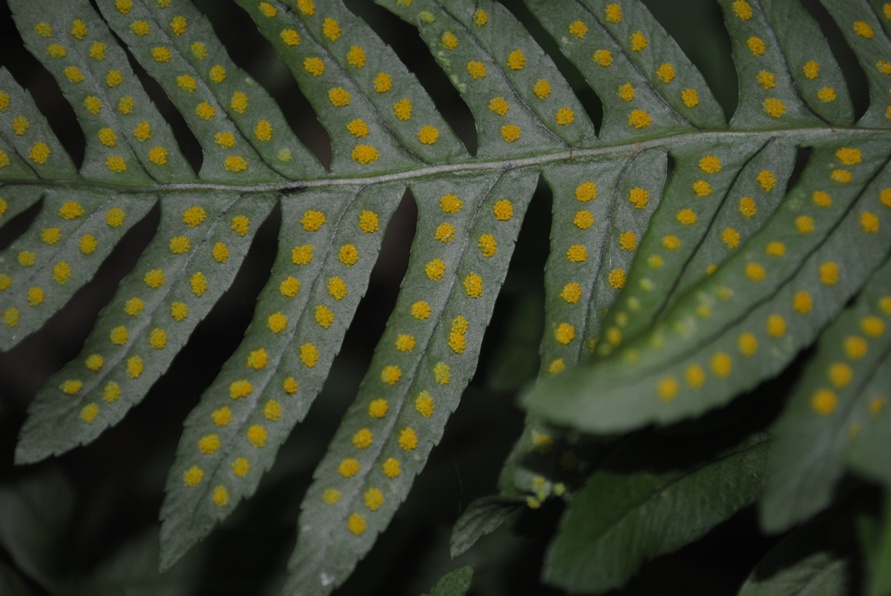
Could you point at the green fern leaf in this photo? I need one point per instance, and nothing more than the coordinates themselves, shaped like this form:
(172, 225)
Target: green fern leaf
(690, 260)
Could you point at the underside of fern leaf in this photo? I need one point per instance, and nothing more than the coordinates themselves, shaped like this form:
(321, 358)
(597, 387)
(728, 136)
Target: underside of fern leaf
(690, 260)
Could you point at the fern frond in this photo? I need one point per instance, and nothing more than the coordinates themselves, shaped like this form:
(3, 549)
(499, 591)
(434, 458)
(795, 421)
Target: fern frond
(690, 259)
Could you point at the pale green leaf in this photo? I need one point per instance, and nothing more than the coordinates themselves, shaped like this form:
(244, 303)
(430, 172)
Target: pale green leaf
(453, 583)
(482, 517)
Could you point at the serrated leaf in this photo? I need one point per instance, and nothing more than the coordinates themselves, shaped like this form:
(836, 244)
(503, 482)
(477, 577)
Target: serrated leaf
(836, 413)
(623, 518)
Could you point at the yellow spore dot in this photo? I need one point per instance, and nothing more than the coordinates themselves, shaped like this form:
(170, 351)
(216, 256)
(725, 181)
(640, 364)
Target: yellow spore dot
(617, 278)
(503, 210)
(435, 269)
(126, 105)
(134, 306)
(358, 128)
(747, 344)
(35, 296)
(564, 333)
(39, 153)
(290, 37)
(449, 40)
(363, 439)
(420, 310)
(277, 322)
(235, 164)
(755, 271)
(666, 73)
(702, 188)
(158, 339)
(220, 496)
(542, 89)
(220, 252)
(885, 197)
(263, 131)
(802, 302)
(240, 224)
(374, 499)
(686, 217)
(695, 376)
(840, 374)
(258, 359)
(639, 119)
(193, 476)
(309, 355)
(71, 386)
(841, 176)
(337, 288)
(93, 104)
(239, 102)
(158, 155)
(869, 222)
(578, 29)
(405, 343)
(378, 408)
(690, 97)
(638, 41)
(776, 326)
(855, 347)
(356, 524)
(11, 317)
(94, 362)
(391, 374)
(556, 366)
(198, 283)
(348, 467)
(290, 385)
(383, 82)
(821, 198)
(667, 389)
(766, 79)
(499, 106)
(43, 29)
(89, 413)
(583, 220)
(240, 388)
(331, 29)
(824, 402)
(331, 496)
(721, 364)
(199, 50)
(511, 133)
(314, 66)
(730, 237)
(209, 444)
(571, 292)
(257, 435)
(627, 92)
(20, 125)
(241, 467)
(774, 107)
(50, 235)
(442, 373)
(114, 217)
(628, 241)
(767, 180)
(119, 335)
(516, 60)
(872, 326)
(710, 164)
(811, 69)
(348, 255)
(742, 9)
(828, 273)
(221, 416)
(312, 220)
(480, 17)
(113, 78)
(26, 258)
(179, 245)
(408, 439)
(179, 310)
(804, 224)
(863, 29)
(272, 411)
(577, 253)
(364, 154)
(193, 216)
(476, 69)
(428, 135)
(161, 54)
(339, 97)
(324, 316)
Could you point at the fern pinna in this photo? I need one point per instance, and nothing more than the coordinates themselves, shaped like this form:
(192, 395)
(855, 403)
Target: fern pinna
(691, 260)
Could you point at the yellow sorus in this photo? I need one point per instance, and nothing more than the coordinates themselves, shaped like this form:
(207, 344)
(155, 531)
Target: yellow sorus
(542, 89)
(364, 154)
(617, 278)
(356, 524)
(235, 164)
(119, 335)
(686, 217)
(872, 326)
(363, 439)
(613, 13)
(290, 286)
(140, 28)
(290, 385)
(40, 153)
(307, 7)
(225, 139)
(577, 253)
(178, 25)
(628, 240)
(774, 107)
(11, 316)
(126, 105)
(383, 82)
(158, 155)
(258, 359)
(710, 164)
(516, 60)
(257, 435)
(855, 347)
(199, 50)
(775, 249)
(94, 362)
(116, 164)
(50, 235)
(449, 40)
(331, 29)
(158, 338)
(776, 326)
(603, 57)
(428, 135)
(73, 74)
(154, 278)
(480, 17)
(205, 111)
(348, 255)
(374, 499)
(391, 468)
(721, 364)
(368, 221)
(240, 388)
(695, 376)
(348, 467)
(161, 54)
(824, 402)
(220, 496)
(209, 444)
(378, 408)
(435, 269)
(583, 220)
(26, 258)
(222, 416)
(405, 343)
(312, 220)
(556, 366)
(217, 74)
(450, 203)
(309, 355)
(510, 133)
(358, 128)
(43, 29)
(35, 296)
(402, 109)
(290, 37)
(639, 197)
(863, 29)
(391, 374)
(424, 404)
(179, 310)
(503, 210)
(134, 306)
(826, 95)
(564, 333)
(263, 130)
(473, 285)
(571, 293)
(241, 467)
(578, 29)
(869, 222)
(755, 271)
(324, 316)
(666, 73)
(442, 373)
(314, 66)
(331, 496)
(742, 9)
(220, 252)
(302, 255)
(337, 288)
(638, 41)
(277, 322)
(356, 56)
(488, 245)
(767, 80)
(93, 104)
(756, 46)
(193, 476)
(811, 69)
(239, 102)
(179, 245)
(272, 411)
(840, 374)
(476, 69)
(639, 119)
(667, 389)
(702, 188)
(420, 310)
(828, 273)
(408, 439)
(445, 232)
(339, 97)
(747, 344)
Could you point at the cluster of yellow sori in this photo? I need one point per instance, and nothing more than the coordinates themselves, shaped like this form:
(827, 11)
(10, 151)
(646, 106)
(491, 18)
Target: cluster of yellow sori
(828, 273)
